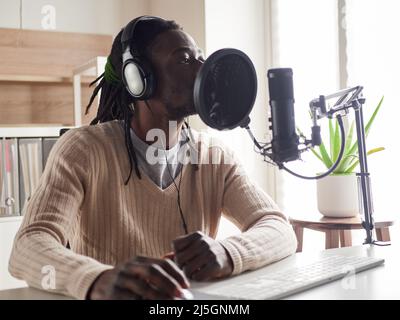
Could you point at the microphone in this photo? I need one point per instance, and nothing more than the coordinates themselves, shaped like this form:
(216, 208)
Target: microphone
(285, 141)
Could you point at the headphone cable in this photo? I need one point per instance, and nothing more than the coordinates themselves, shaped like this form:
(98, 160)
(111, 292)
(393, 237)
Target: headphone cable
(178, 189)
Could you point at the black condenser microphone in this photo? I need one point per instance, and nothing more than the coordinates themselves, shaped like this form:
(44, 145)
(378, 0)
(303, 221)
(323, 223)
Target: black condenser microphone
(285, 141)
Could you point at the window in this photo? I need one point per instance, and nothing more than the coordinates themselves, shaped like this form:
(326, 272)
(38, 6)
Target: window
(305, 38)
(373, 53)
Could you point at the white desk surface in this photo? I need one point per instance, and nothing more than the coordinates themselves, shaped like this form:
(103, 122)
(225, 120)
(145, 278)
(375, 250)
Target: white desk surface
(377, 283)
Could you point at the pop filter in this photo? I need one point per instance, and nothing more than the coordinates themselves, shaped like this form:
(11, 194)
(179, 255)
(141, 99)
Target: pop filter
(225, 89)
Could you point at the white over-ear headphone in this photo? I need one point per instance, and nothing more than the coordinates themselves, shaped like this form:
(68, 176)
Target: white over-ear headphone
(137, 74)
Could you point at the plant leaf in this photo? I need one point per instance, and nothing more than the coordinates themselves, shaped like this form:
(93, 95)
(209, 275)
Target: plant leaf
(317, 154)
(355, 164)
(374, 150)
(347, 156)
(325, 156)
(349, 138)
(353, 161)
(347, 161)
(299, 132)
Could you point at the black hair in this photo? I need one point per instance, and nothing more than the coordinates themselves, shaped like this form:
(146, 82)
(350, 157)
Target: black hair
(115, 101)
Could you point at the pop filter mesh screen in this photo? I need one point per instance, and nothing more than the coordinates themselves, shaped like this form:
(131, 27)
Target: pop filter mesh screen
(229, 90)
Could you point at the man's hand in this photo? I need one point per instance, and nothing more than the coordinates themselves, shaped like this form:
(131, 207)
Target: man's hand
(140, 278)
(201, 257)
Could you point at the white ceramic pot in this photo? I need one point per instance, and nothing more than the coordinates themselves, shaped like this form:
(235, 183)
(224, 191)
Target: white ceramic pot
(337, 196)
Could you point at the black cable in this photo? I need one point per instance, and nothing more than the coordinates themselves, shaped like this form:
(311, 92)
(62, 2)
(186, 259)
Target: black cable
(190, 135)
(327, 173)
(131, 149)
(178, 189)
(381, 244)
(256, 143)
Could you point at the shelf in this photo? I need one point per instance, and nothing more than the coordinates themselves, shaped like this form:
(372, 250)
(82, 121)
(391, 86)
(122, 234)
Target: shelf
(31, 131)
(9, 218)
(93, 67)
(42, 79)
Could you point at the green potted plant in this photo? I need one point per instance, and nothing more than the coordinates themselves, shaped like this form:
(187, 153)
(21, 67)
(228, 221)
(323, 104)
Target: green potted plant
(337, 194)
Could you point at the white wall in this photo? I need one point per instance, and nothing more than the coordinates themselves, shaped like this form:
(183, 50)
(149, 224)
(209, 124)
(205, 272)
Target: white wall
(188, 13)
(131, 9)
(240, 24)
(243, 24)
(102, 16)
(9, 14)
(88, 16)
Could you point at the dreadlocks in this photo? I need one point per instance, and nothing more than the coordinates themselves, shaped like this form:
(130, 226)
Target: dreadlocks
(115, 101)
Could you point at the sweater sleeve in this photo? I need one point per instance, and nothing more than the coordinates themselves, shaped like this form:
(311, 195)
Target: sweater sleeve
(39, 254)
(266, 234)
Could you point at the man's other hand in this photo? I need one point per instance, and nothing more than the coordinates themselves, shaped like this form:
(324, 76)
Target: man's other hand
(140, 278)
(201, 257)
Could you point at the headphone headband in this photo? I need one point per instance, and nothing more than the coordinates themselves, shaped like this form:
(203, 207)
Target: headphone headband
(129, 29)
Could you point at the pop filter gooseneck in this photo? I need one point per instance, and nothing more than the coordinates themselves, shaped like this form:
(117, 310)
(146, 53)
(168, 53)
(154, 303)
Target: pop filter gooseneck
(225, 89)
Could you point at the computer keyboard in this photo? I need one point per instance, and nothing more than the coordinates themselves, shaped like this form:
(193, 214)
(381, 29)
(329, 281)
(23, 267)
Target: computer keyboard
(280, 284)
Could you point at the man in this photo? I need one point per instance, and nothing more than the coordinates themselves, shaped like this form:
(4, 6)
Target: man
(120, 225)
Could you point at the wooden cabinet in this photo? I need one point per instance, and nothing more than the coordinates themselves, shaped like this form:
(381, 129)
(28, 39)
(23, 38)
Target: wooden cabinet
(10, 222)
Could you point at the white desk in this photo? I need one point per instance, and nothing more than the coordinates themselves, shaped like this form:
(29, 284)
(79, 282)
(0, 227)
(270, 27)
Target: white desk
(30, 294)
(377, 283)
(373, 284)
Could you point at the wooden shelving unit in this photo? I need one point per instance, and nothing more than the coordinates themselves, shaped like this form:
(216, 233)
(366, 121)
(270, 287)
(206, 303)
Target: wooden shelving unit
(36, 74)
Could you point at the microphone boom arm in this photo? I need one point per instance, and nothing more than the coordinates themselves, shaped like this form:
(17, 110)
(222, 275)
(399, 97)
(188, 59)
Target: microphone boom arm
(355, 101)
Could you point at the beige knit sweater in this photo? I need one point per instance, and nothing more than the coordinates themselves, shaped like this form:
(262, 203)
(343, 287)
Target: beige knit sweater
(82, 200)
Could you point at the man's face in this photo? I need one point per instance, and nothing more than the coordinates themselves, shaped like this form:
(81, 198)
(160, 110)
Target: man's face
(176, 60)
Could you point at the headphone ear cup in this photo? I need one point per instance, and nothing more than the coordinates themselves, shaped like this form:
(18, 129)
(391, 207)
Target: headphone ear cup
(138, 79)
(132, 78)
